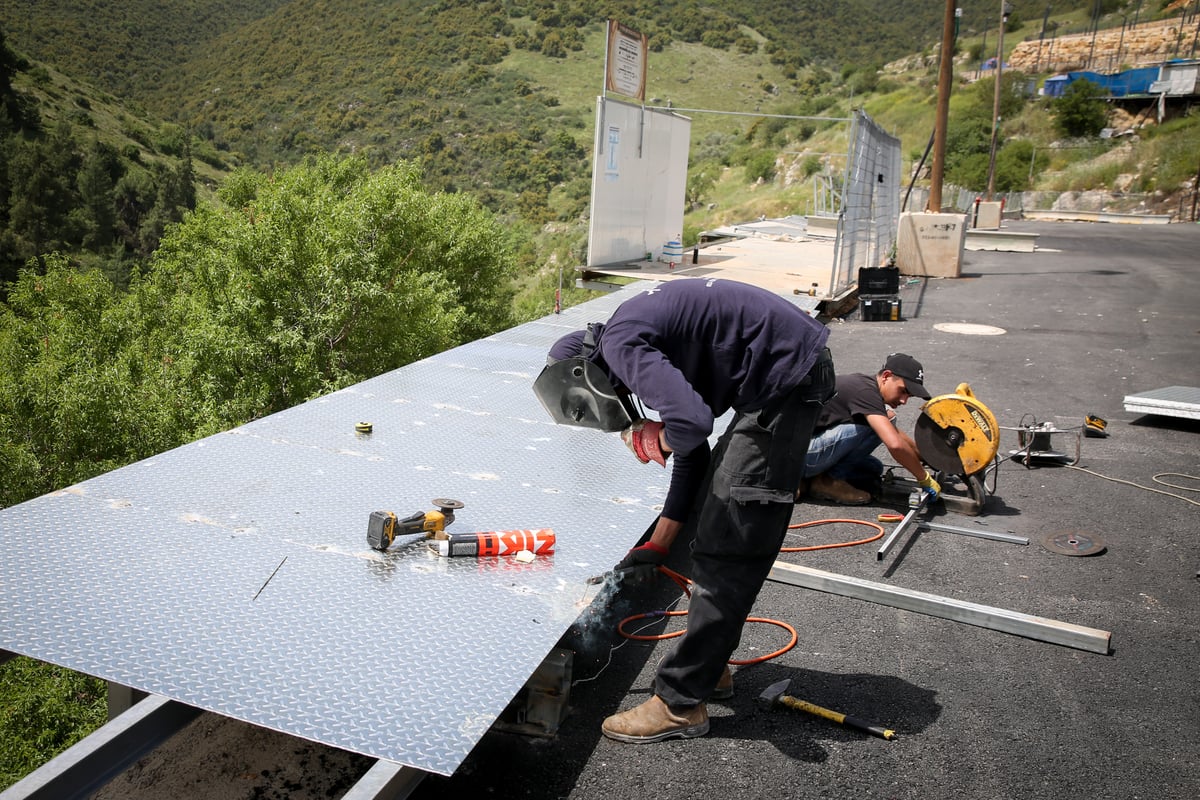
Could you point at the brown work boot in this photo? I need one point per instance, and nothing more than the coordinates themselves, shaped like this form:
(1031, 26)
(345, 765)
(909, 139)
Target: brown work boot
(654, 721)
(824, 487)
(801, 490)
(724, 688)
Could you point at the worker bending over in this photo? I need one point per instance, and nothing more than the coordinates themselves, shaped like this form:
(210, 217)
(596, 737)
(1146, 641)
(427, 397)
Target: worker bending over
(691, 349)
(854, 423)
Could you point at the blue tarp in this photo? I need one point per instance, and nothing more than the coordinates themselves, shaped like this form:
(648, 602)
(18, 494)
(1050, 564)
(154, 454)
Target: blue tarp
(1056, 85)
(1131, 81)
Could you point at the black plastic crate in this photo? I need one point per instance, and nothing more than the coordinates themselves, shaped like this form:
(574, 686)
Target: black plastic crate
(878, 308)
(878, 280)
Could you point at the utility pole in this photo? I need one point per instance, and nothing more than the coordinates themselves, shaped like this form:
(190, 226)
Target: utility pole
(1005, 9)
(945, 79)
(1195, 194)
(1095, 30)
(1041, 37)
(1120, 45)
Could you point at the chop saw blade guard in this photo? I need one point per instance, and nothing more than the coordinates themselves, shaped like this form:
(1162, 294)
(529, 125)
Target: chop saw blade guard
(958, 437)
(956, 433)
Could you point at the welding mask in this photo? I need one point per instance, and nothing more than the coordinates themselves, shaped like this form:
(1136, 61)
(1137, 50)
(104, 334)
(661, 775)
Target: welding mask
(577, 391)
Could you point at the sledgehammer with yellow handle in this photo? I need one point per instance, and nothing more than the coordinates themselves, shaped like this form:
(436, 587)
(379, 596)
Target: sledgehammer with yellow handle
(775, 694)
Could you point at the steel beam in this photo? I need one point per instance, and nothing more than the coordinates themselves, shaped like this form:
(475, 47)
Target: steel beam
(998, 619)
(386, 780)
(80, 770)
(121, 698)
(916, 503)
(976, 532)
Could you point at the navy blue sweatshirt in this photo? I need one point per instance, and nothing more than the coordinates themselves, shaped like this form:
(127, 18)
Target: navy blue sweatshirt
(692, 349)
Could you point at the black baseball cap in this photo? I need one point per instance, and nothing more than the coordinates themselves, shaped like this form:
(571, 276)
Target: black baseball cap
(910, 370)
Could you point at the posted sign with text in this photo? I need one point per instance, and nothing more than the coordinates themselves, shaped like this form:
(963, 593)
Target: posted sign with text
(626, 61)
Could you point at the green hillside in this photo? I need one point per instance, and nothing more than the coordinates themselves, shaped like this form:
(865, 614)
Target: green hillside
(495, 97)
(123, 48)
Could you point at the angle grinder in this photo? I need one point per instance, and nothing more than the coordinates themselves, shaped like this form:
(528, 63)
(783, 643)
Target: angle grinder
(384, 526)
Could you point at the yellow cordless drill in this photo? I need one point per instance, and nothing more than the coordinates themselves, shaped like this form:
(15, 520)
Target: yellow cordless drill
(384, 526)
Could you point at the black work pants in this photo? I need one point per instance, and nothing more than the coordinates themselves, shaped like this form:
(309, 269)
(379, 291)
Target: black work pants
(742, 522)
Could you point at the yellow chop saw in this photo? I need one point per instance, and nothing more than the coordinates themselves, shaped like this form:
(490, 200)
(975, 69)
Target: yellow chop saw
(958, 438)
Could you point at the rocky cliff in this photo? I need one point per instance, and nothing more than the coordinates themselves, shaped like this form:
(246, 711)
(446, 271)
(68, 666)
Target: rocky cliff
(1145, 45)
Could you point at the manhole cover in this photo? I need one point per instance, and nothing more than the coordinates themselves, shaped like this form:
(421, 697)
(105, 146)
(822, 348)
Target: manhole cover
(969, 328)
(1074, 543)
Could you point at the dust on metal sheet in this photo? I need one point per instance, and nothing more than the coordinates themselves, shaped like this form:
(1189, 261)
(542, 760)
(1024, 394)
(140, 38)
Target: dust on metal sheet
(233, 573)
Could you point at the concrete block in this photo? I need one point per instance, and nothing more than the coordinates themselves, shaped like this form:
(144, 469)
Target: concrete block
(821, 225)
(1008, 241)
(988, 214)
(1097, 216)
(931, 245)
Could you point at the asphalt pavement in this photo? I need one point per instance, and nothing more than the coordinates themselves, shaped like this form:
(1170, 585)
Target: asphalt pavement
(1097, 312)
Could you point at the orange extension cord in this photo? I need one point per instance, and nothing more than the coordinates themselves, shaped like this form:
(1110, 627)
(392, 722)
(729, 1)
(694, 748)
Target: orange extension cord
(683, 582)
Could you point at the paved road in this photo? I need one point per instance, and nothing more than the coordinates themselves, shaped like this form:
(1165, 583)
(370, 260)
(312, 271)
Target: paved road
(1098, 312)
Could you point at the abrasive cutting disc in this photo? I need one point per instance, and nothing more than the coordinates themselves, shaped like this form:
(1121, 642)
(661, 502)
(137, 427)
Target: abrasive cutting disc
(1074, 543)
(939, 446)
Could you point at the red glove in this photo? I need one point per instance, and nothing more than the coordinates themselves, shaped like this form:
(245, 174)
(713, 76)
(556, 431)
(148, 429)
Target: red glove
(646, 555)
(642, 437)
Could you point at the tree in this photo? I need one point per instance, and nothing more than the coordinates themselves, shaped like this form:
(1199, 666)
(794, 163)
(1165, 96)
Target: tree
(552, 45)
(320, 277)
(133, 197)
(42, 194)
(701, 179)
(175, 196)
(1081, 111)
(68, 404)
(1015, 163)
(328, 275)
(43, 710)
(760, 166)
(96, 181)
(968, 136)
(12, 109)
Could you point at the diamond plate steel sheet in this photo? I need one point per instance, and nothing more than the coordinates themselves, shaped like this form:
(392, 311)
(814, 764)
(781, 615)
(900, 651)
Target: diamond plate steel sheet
(1169, 401)
(233, 573)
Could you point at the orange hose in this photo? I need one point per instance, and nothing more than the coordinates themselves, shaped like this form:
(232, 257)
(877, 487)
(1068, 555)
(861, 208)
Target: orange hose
(684, 582)
(794, 637)
(868, 540)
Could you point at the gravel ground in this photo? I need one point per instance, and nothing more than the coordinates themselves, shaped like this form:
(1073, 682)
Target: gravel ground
(1097, 313)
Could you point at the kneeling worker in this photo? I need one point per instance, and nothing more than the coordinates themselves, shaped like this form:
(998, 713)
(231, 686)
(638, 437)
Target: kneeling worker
(855, 422)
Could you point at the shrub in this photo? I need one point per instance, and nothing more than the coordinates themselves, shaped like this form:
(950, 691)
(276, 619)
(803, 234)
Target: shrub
(760, 166)
(1081, 110)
